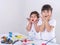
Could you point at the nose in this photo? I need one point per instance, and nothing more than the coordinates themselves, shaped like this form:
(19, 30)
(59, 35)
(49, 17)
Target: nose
(46, 14)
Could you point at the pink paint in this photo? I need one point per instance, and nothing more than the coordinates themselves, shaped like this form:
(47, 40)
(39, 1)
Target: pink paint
(43, 43)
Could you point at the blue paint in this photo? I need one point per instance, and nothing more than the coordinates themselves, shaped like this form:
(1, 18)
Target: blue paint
(10, 34)
(33, 44)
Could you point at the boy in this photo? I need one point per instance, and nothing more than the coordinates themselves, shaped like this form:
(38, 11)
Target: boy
(47, 24)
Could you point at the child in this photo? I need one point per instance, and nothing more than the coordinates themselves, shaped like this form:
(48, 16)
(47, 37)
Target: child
(47, 24)
(32, 26)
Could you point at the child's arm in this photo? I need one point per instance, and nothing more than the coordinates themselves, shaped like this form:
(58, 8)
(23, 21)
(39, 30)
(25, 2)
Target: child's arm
(36, 27)
(48, 26)
(28, 27)
(42, 27)
(39, 28)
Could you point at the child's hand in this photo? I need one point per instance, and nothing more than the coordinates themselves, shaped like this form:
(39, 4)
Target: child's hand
(47, 18)
(36, 21)
(33, 21)
(43, 18)
(30, 20)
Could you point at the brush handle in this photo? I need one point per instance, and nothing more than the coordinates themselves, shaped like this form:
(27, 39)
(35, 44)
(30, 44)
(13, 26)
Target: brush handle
(50, 40)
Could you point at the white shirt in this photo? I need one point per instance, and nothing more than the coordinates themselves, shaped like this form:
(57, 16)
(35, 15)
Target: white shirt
(33, 34)
(49, 35)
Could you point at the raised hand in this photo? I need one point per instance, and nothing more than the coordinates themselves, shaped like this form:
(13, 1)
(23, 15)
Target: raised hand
(30, 21)
(47, 18)
(43, 18)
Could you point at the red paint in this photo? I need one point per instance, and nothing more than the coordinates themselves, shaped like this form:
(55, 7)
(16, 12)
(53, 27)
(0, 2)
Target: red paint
(25, 40)
(32, 20)
(43, 43)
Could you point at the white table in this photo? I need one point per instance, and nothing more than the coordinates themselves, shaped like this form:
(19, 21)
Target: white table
(36, 42)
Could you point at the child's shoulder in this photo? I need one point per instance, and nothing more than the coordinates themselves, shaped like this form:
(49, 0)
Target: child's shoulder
(52, 20)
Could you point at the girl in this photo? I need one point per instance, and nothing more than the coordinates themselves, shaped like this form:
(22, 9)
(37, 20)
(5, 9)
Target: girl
(33, 26)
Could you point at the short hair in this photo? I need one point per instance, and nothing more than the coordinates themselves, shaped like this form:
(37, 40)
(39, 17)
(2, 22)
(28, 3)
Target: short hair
(34, 12)
(46, 7)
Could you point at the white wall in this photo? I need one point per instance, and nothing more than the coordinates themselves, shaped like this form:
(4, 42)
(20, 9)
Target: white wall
(13, 14)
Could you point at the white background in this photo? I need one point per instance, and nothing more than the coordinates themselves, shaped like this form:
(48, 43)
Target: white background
(13, 14)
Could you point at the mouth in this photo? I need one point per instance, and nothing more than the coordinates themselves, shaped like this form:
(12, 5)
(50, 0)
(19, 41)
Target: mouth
(46, 16)
(32, 20)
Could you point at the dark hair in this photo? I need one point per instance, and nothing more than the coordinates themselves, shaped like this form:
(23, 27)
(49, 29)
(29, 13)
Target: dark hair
(34, 12)
(46, 7)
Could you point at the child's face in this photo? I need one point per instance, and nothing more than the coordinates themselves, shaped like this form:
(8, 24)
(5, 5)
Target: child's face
(33, 17)
(46, 13)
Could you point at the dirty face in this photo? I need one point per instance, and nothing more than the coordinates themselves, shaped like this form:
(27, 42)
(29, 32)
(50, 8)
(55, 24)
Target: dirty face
(34, 17)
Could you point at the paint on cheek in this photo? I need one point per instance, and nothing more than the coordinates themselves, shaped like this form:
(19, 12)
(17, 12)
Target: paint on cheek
(32, 20)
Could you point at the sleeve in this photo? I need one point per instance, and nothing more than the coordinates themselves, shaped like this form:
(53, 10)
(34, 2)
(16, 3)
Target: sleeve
(53, 22)
(40, 22)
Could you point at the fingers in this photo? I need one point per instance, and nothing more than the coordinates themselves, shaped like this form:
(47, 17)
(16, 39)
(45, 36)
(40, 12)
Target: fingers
(43, 18)
(32, 20)
(28, 19)
(47, 18)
